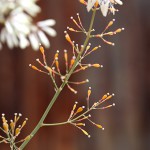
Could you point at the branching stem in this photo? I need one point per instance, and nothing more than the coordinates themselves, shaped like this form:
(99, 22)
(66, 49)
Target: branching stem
(56, 87)
(40, 123)
(55, 124)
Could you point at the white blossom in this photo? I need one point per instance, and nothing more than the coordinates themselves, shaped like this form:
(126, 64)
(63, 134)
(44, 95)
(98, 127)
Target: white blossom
(18, 29)
(105, 5)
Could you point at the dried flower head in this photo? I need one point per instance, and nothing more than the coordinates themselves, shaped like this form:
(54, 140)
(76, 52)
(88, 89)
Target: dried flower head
(18, 29)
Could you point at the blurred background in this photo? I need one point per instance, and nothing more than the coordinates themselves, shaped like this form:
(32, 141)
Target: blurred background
(126, 73)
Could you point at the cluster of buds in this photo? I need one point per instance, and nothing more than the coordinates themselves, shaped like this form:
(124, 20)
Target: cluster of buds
(109, 33)
(54, 69)
(101, 35)
(10, 131)
(79, 115)
(78, 23)
(74, 64)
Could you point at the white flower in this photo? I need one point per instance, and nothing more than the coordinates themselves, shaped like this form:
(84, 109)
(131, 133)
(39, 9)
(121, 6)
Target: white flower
(90, 4)
(105, 5)
(29, 6)
(18, 29)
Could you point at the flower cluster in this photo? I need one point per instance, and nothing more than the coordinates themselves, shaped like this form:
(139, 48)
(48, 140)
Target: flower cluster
(54, 69)
(101, 35)
(103, 5)
(17, 34)
(10, 131)
(18, 29)
(79, 115)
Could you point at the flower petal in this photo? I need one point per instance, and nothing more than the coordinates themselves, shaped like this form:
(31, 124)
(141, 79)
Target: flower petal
(49, 22)
(30, 7)
(90, 4)
(9, 41)
(119, 2)
(44, 40)
(9, 27)
(34, 41)
(104, 8)
(23, 41)
(49, 31)
(3, 35)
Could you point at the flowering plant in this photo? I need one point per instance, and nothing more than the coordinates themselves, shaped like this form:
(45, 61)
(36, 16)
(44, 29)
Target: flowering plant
(74, 65)
(18, 28)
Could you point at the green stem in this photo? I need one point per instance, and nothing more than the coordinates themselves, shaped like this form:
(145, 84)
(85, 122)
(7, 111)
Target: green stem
(56, 87)
(67, 122)
(2, 129)
(75, 119)
(55, 124)
(39, 125)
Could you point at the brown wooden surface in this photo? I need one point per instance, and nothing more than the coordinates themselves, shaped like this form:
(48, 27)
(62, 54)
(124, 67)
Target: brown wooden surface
(126, 72)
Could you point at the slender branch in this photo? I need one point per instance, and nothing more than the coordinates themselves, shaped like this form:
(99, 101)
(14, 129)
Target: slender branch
(40, 123)
(53, 80)
(2, 129)
(74, 119)
(55, 124)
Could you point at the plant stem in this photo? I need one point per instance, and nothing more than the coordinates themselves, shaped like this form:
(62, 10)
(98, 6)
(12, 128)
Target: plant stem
(67, 122)
(55, 124)
(40, 123)
(53, 80)
(76, 118)
(2, 129)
